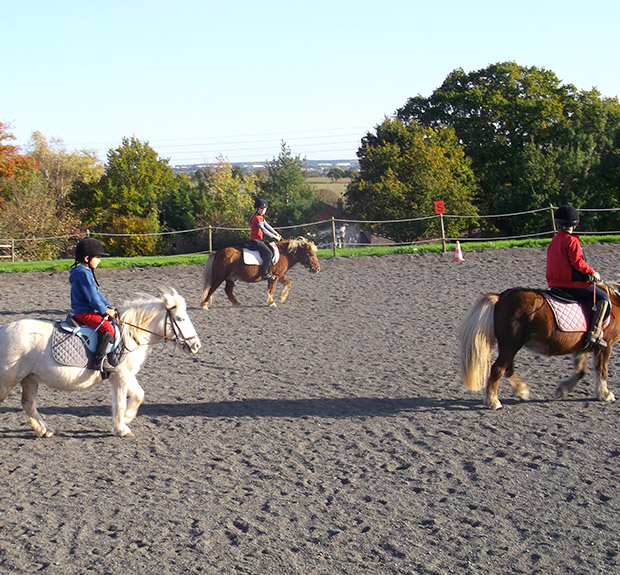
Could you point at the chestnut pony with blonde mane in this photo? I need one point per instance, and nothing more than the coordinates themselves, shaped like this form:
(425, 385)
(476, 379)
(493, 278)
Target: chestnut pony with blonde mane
(227, 266)
(520, 318)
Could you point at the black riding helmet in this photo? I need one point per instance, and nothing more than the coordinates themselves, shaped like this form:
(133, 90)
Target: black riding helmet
(89, 247)
(566, 217)
(260, 203)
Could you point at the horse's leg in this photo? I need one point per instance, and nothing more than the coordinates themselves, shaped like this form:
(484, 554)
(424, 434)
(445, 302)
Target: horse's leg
(30, 387)
(216, 284)
(580, 365)
(285, 289)
(270, 289)
(119, 404)
(498, 369)
(230, 285)
(601, 363)
(519, 389)
(135, 397)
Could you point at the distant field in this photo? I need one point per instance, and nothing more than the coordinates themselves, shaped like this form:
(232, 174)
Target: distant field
(329, 191)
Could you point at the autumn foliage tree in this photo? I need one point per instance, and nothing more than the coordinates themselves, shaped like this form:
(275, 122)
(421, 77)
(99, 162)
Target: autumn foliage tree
(28, 208)
(12, 160)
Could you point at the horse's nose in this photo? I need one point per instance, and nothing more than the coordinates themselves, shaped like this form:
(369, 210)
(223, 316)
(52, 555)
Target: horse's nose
(195, 346)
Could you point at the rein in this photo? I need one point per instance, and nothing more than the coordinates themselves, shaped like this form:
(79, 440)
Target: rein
(162, 336)
(176, 330)
(304, 261)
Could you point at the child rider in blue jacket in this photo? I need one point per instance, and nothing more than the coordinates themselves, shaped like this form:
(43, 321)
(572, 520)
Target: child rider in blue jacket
(89, 305)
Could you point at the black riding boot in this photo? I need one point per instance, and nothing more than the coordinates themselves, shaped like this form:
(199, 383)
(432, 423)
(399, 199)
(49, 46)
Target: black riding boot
(266, 272)
(595, 333)
(102, 346)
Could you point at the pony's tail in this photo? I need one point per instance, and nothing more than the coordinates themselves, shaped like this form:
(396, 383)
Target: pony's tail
(476, 341)
(207, 278)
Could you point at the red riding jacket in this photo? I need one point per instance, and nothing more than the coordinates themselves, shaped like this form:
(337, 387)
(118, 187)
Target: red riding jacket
(566, 266)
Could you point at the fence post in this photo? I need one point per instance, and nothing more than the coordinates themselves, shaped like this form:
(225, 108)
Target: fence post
(210, 239)
(552, 219)
(443, 234)
(334, 236)
(12, 250)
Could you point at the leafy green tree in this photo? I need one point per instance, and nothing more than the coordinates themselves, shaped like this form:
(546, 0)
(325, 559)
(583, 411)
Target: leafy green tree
(134, 183)
(335, 173)
(404, 169)
(292, 200)
(231, 202)
(532, 140)
(183, 203)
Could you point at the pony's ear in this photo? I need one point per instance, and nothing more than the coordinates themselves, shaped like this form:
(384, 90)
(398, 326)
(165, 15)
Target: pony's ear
(170, 298)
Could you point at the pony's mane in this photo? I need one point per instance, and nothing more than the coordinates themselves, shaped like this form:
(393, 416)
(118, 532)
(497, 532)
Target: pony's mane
(143, 310)
(614, 287)
(300, 242)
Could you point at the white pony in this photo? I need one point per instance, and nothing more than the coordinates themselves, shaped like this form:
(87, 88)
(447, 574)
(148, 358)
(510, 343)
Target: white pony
(26, 357)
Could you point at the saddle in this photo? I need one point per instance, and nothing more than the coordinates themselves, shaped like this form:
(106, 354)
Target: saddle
(74, 345)
(253, 257)
(570, 315)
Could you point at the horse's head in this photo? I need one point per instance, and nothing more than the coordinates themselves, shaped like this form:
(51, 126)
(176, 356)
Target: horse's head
(179, 322)
(305, 253)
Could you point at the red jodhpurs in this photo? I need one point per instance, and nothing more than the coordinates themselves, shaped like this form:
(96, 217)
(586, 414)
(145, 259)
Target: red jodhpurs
(93, 320)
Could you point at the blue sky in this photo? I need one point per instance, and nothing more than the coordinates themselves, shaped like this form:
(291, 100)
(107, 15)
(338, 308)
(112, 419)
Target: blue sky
(198, 79)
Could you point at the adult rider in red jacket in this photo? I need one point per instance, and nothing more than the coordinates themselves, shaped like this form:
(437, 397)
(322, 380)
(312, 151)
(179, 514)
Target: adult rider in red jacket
(567, 269)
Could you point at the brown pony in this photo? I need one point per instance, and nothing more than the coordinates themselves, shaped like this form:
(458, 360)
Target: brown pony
(520, 318)
(227, 266)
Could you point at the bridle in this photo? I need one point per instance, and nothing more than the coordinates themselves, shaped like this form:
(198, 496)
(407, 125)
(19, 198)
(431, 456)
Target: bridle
(177, 337)
(306, 262)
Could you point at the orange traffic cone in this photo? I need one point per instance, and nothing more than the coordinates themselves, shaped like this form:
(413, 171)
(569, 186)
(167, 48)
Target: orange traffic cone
(458, 254)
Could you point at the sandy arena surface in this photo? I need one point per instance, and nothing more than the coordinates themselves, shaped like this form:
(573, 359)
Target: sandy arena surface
(330, 435)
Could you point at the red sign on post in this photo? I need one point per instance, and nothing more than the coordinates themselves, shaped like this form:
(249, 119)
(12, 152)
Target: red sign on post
(439, 207)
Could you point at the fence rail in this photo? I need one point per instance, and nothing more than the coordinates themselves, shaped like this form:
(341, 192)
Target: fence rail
(325, 232)
(10, 247)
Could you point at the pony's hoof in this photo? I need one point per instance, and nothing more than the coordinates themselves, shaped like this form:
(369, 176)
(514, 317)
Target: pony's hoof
(273, 304)
(205, 305)
(494, 405)
(560, 393)
(609, 397)
(47, 432)
(523, 395)
(123, 432)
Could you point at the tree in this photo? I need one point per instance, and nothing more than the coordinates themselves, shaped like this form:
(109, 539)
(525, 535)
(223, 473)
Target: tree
(404, 169)
(335, 173)
(230, 194)
(532, 140)
(134, 182)
(61, 169)
(28, 207)
(30, 211)
(12, 161)
(291, 199)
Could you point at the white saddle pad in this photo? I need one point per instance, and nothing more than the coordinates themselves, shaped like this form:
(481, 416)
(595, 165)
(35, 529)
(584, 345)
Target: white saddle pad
(253, 257)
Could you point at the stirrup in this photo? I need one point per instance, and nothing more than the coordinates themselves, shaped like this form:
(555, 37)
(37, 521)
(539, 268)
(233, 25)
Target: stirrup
(592, 341)
(104, 365)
